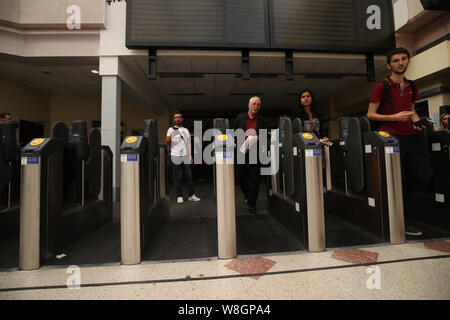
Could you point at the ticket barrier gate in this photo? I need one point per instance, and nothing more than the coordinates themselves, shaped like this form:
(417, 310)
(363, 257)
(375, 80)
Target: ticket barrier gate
(144, 207)
(372, 195)
(66, 191)
(431, 208)
(296, 189)
(9, 181)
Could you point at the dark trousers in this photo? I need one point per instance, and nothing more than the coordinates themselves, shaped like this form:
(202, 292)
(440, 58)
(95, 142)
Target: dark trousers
(248, 176)
(416, 166)
(181, 168)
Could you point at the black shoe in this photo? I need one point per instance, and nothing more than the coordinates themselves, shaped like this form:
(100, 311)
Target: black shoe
(252, 209)
(412, 231)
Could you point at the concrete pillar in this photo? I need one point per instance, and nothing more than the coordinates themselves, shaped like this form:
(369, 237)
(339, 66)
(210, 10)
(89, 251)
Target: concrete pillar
(111, 103)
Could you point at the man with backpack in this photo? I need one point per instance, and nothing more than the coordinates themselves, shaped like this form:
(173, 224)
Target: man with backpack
(392, 106)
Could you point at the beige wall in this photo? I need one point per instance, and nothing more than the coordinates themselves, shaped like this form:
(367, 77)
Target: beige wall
(424, 29)
(133, 115)
(431, 61)
(51, 13)
(24, 102)
(69, 108)
(351, 101)
(28, 103)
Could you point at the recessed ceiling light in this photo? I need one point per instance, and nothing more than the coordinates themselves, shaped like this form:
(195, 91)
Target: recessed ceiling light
(94, 71)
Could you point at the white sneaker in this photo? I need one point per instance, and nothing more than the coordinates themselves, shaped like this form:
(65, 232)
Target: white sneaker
(412, 231)
(194, 198)
(180, 200)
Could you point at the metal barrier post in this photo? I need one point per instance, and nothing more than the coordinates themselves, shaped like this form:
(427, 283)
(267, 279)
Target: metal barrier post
(130, 198)
(30, 205)
(314, 199)
(225, 197)
(395, 195)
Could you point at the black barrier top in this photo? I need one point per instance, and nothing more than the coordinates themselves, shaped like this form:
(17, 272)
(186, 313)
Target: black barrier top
(344, 133)
(151, 133)
(442, 136)
(60, 132)
(8, 140)
(297, 126)
(221, 124)
(306, 140)
(40, 147)
(94, 163)
(134, 144)
(79, 139)
(382, 139)
(5, 172)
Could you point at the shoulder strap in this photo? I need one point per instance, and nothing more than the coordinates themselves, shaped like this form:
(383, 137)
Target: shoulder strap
(414, 90)
(184, 140)
(386, 95)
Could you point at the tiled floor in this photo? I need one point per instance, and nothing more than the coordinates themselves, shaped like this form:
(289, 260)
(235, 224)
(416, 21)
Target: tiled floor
(415, 270)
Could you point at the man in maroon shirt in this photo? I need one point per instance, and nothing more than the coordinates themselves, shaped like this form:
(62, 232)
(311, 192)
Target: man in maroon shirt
(402, 121)
(248, 174)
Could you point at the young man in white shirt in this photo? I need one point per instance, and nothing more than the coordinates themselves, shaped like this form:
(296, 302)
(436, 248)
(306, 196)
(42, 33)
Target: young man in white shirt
(179, 141)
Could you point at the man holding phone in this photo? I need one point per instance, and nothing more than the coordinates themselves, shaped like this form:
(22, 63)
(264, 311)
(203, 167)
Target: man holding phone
(400, 119)
(178, 139)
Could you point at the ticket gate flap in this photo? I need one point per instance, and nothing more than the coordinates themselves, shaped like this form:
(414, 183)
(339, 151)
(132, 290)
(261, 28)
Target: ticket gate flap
(344, 133)
(297, 125)
(80, 140)
(151, 133)
(59, 131)
(354, 156)
(286, 154)
(8, 140)
(365, 124)
(442, 136)
(5, 173)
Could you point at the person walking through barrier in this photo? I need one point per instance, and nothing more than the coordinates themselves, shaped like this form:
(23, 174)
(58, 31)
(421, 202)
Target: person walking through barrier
(5, 117)
(306, 112)
(248, 173)
(392, 105)
(179, 141)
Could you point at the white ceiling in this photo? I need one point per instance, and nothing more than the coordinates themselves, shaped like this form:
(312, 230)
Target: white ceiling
(72, 76)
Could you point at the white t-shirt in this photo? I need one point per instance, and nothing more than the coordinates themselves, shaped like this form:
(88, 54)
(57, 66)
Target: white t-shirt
(178, 146)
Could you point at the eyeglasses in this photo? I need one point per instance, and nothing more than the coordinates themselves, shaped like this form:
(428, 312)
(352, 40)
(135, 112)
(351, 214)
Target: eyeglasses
(306, 96)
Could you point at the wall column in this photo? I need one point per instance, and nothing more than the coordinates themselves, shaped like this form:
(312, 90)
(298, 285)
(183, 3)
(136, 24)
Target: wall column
(111, 104)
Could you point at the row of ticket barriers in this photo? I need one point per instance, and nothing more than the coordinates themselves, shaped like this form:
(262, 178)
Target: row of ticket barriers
(56, 190)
